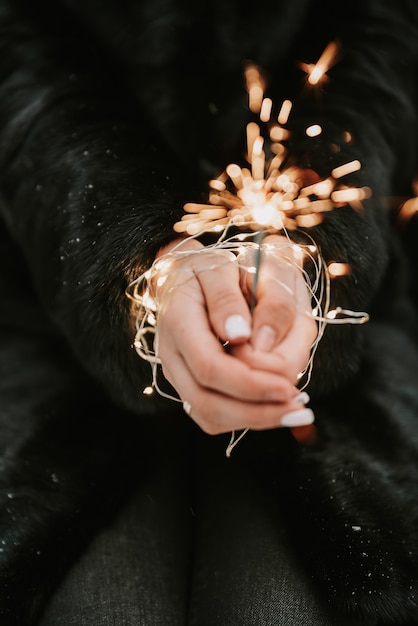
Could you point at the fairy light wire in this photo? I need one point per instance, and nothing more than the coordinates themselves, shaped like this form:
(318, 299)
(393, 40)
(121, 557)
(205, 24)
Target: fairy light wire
(143, 293)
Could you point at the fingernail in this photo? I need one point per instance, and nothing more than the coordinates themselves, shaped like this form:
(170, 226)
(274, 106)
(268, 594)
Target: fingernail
(298, 418)
(237, 326)
(302, 397)
(265, 339)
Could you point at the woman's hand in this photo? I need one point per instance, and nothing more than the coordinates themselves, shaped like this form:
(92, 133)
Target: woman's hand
(283, 329)
(202, 306)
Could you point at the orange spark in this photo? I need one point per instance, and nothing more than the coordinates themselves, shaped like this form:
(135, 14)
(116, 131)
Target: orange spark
(316, 73)
(338, 269)
(270, 194)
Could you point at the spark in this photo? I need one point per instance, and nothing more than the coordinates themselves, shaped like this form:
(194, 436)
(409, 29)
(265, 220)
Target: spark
(314, 130)
(270, 194)
(317, 73)
(338, 269)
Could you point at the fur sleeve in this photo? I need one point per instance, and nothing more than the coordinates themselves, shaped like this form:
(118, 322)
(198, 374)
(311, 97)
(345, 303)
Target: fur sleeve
(367, 110)
(81, 191)
(350, 496)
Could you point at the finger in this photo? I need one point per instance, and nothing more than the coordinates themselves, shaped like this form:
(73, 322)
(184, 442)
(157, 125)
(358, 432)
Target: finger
(227, 308)
(276, 306)
(204, 356)
(216, 413)
(213, 369)
(290, 357)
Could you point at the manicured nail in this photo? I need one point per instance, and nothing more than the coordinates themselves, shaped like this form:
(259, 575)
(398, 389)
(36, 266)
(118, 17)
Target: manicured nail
(302, 397)
(298, 418)
(265, 339)
(237, 326)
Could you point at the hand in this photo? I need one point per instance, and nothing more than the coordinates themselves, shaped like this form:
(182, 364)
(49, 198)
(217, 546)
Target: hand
(201, 305)
(283, 329)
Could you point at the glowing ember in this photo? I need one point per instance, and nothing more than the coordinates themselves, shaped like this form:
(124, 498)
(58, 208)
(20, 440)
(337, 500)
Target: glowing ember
(267, 196)
(270, 195)
(338, 269)
(317, 73)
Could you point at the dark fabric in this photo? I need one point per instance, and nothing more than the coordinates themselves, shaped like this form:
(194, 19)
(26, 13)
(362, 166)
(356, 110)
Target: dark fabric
(112, 115)
(137, 568)
(198, 543)
(352, 494)
(67, 456)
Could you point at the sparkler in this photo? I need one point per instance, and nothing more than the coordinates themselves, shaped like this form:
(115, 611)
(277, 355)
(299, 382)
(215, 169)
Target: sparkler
(317, 73)
(268, 196)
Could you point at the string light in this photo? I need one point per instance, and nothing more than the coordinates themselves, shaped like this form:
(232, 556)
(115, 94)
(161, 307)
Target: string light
(149, 299)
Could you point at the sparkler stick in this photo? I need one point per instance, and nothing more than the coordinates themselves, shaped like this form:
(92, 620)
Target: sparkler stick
(257, 265)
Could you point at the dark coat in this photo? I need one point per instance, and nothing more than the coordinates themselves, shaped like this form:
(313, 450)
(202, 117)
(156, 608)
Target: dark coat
(112, 115)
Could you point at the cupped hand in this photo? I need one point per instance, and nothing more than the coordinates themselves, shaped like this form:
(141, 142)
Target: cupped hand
(202, 306)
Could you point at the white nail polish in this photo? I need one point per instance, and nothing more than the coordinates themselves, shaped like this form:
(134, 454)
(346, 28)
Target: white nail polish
(265, 339)
(304, 417)
(302, 397)
(237, 326)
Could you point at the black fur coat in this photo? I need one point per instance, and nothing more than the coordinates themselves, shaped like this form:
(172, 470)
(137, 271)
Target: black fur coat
(112, 115)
